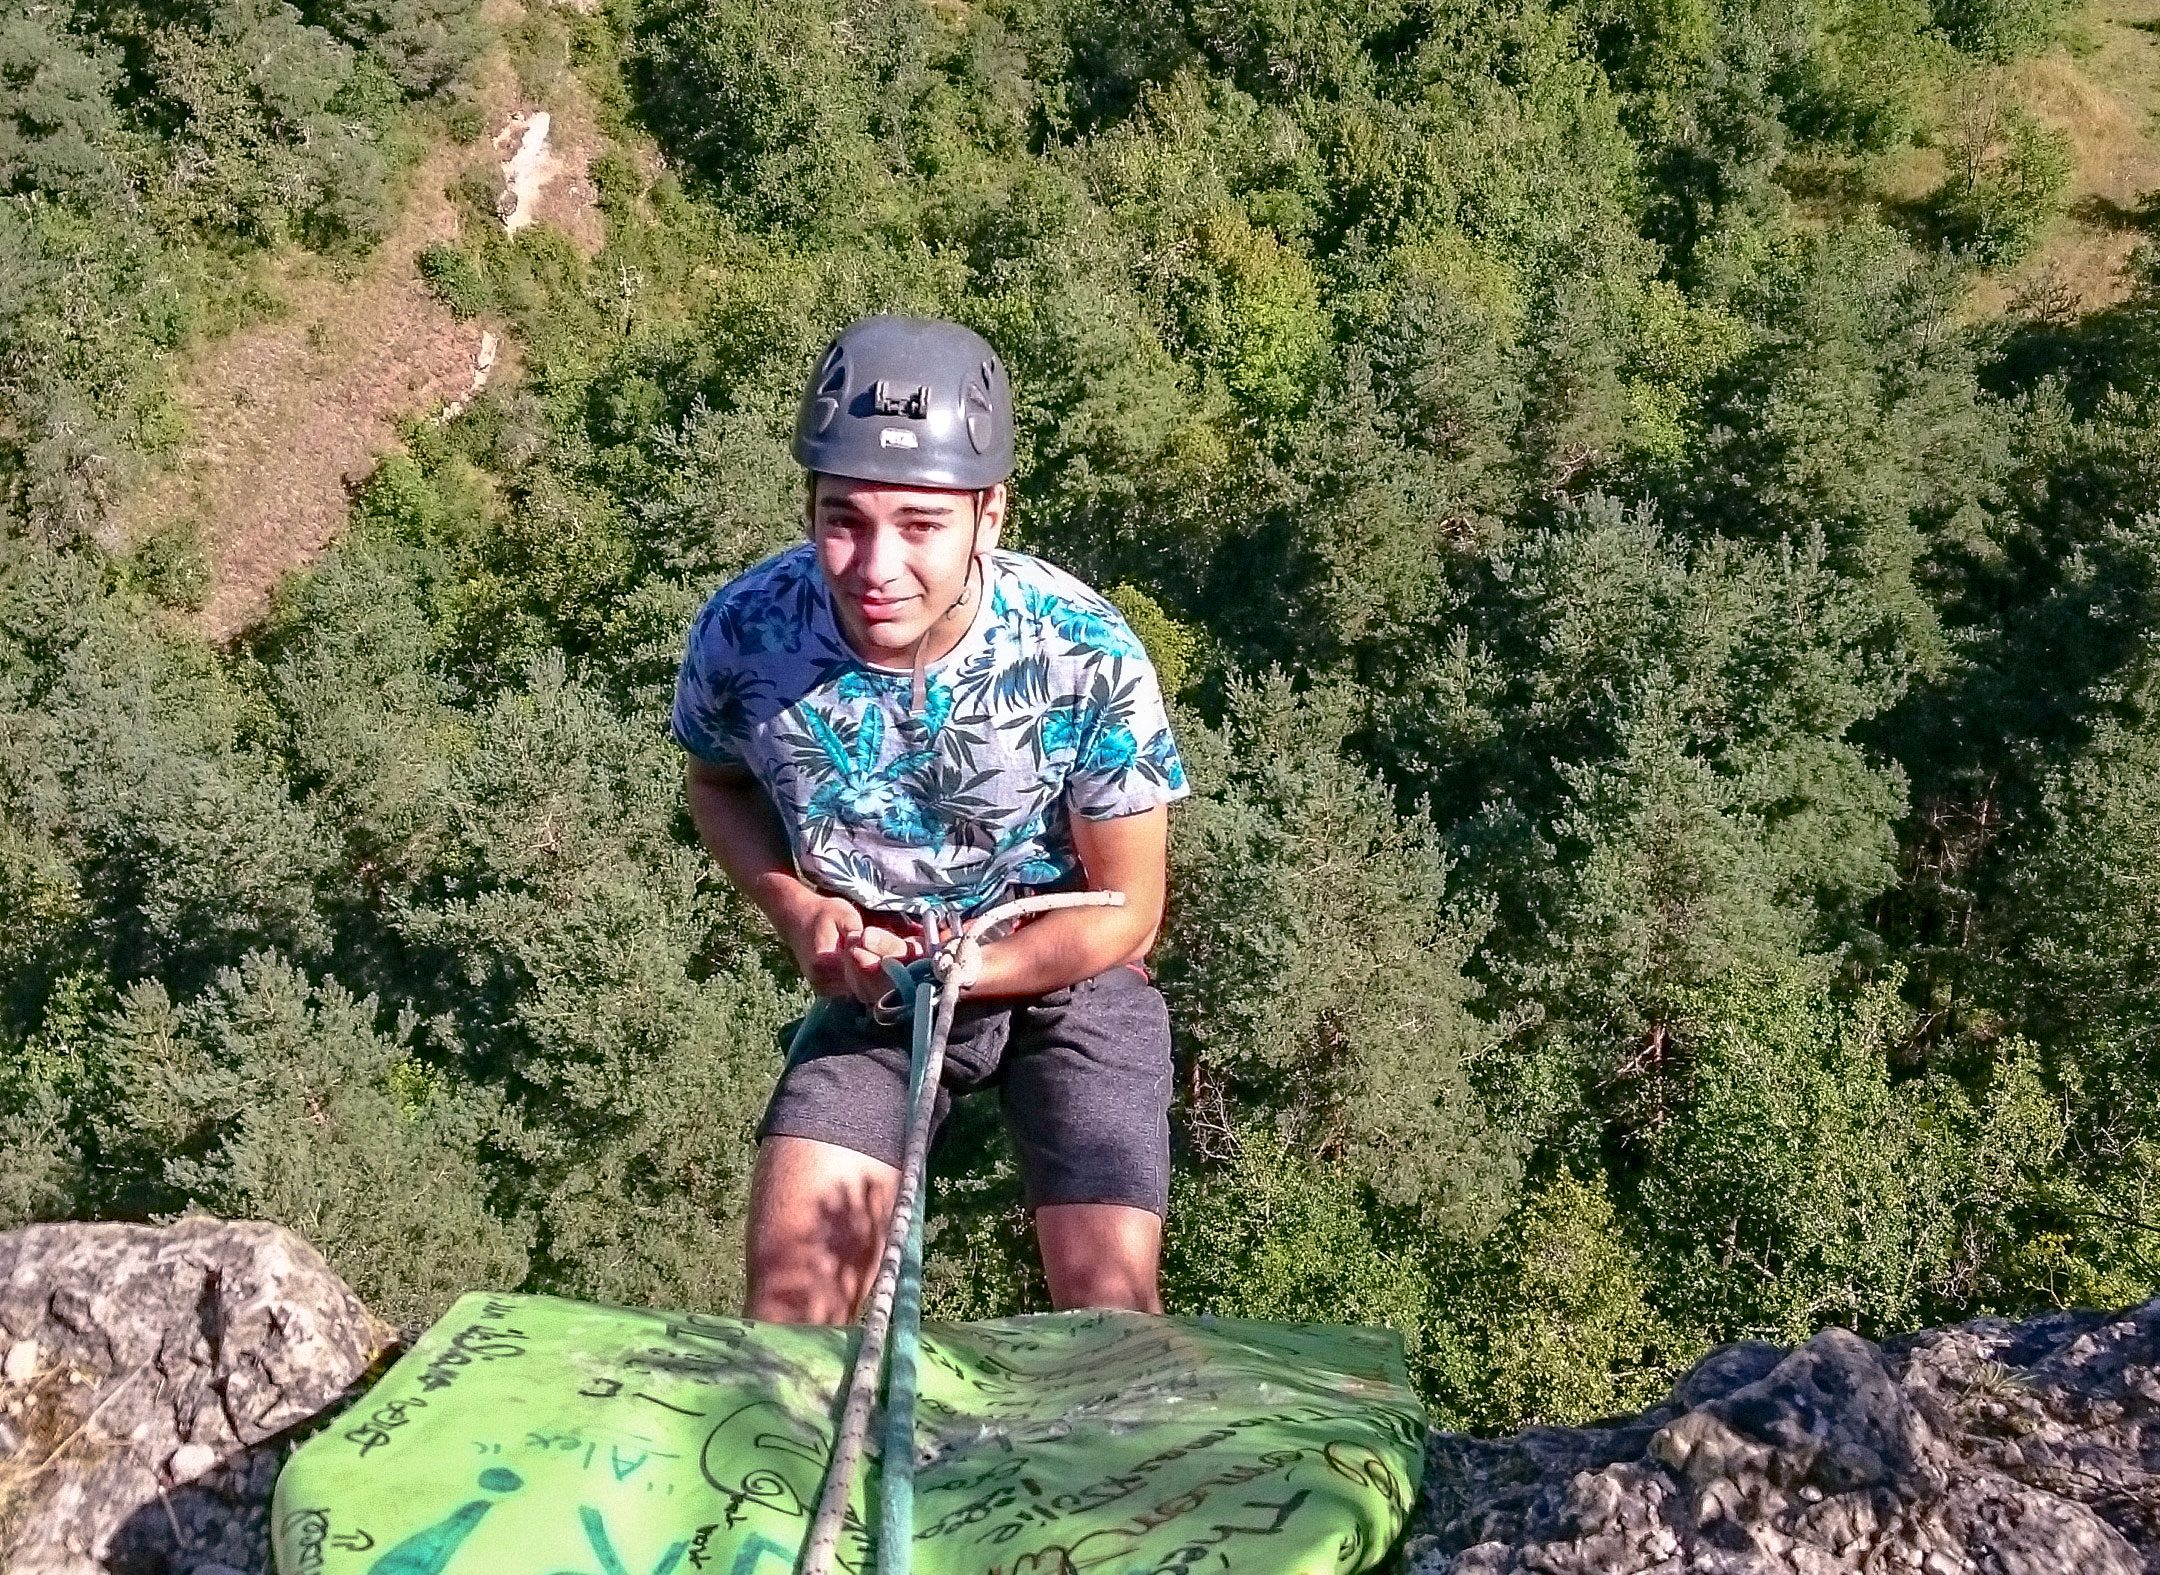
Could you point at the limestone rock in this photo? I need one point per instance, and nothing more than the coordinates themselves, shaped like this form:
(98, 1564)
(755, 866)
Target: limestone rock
(1990, 1448)
(150, 1377)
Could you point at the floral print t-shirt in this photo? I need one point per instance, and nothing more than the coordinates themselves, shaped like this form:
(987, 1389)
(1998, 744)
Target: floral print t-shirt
(1046, 709)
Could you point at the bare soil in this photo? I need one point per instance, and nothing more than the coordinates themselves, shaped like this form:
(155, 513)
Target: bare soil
(287, 417)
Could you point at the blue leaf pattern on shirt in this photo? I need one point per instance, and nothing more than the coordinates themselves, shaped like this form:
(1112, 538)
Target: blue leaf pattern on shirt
(1036, 716)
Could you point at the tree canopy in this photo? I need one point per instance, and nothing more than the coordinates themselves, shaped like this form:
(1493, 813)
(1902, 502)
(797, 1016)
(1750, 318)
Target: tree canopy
(1669, 690)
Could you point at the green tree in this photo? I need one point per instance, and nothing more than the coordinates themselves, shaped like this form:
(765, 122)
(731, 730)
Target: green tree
(1796, 1183)
(1316, 967)
(1550, 1322)
(269, 1098)
(425, 45)
(2000, 30)
(765, 102)
(58, 123)
(2007, 175)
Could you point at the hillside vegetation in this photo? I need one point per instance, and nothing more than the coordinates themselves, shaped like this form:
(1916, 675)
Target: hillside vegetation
(1671, 690)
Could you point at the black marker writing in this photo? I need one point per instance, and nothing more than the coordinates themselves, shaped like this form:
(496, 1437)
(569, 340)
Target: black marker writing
(307, 1529)
(381, 1422)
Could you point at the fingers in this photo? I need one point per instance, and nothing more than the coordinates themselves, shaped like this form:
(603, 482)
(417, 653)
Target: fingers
(866, 953)
(883, 943)
(865, 971)
(835, 927)
(842, 955)
(828, 974)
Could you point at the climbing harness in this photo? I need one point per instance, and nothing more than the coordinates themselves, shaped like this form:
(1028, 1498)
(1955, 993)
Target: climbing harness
(895, 1309)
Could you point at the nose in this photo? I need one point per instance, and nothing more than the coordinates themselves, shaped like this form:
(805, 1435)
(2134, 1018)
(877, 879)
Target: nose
(881, 559)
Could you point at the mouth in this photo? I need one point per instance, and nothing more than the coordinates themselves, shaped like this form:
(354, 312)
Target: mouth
(883, 609)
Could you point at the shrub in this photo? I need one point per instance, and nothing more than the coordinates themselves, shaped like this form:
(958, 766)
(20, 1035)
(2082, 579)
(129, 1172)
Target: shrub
(455, 278)
(2000, 30)
(2007, 177)
(171, 565)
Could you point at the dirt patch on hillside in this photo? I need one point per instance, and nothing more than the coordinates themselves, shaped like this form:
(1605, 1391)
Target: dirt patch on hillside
(288, 416)
(291, 432)
(2104, 97)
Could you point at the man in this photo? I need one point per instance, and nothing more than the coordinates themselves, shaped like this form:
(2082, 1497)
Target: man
(896, 719)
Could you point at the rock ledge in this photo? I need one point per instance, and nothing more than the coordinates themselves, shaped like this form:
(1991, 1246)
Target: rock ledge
(1990, 1448)
(147, 1377)
(152, 1379)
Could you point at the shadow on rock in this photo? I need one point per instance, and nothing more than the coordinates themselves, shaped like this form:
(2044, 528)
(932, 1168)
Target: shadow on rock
(151, 1381)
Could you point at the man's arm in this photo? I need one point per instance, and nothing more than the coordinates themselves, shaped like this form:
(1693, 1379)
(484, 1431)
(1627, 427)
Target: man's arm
(1128, 854)
(737, 824)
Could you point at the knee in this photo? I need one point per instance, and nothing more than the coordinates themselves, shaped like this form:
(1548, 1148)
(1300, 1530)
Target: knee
(1101, 1255)
(1118, 1287)
(816, 1226)
(795, 1298)
(796, 1277)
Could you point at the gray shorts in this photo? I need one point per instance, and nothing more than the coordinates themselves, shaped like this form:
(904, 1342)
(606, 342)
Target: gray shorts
(1083, 1074)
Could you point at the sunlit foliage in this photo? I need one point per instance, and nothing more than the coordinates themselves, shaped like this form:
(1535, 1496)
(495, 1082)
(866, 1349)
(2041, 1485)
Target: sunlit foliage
(1670, 701)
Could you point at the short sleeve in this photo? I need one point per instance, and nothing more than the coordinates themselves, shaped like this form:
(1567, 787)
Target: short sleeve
(1127, 761)
(709, 719)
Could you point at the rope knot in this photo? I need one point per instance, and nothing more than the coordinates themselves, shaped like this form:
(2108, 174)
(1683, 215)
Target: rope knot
(958, 963)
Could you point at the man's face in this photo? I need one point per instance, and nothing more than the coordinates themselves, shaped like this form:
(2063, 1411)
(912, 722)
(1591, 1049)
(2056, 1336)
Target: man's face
(895, 558)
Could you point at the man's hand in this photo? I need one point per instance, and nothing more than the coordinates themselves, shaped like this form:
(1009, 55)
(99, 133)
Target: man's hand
(819, 930)
(838, 953)
(864, 960)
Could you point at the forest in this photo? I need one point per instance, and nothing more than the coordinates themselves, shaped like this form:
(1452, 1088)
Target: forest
(1670, 686)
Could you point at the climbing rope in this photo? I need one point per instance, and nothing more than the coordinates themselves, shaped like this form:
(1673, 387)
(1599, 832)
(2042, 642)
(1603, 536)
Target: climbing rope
(896, 1295)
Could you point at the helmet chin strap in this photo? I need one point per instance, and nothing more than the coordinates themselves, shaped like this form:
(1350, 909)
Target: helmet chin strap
(919, 690)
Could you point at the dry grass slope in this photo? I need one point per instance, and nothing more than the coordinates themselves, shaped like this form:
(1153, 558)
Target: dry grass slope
(2106, 96)
(287, 416)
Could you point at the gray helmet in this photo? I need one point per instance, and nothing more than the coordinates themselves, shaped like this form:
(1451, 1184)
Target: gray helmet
(908, 400)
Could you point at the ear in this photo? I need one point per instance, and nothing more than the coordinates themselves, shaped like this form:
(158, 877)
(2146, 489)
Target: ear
(990, 518)
(809, 505)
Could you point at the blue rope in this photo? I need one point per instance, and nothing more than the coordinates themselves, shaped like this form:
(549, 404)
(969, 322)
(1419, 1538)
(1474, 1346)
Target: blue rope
(803, 1030)
(896, 1512)
(901, 1295)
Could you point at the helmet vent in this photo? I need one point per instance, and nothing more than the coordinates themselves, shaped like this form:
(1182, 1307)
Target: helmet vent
(975, 409)
(831, 384)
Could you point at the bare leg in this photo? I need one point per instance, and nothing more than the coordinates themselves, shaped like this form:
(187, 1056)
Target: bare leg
(818, 1214)
(1100, 1255)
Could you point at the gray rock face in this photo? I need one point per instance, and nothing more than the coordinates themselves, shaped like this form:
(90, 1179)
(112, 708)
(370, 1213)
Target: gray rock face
(1987, 1449)
(147, 1377)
